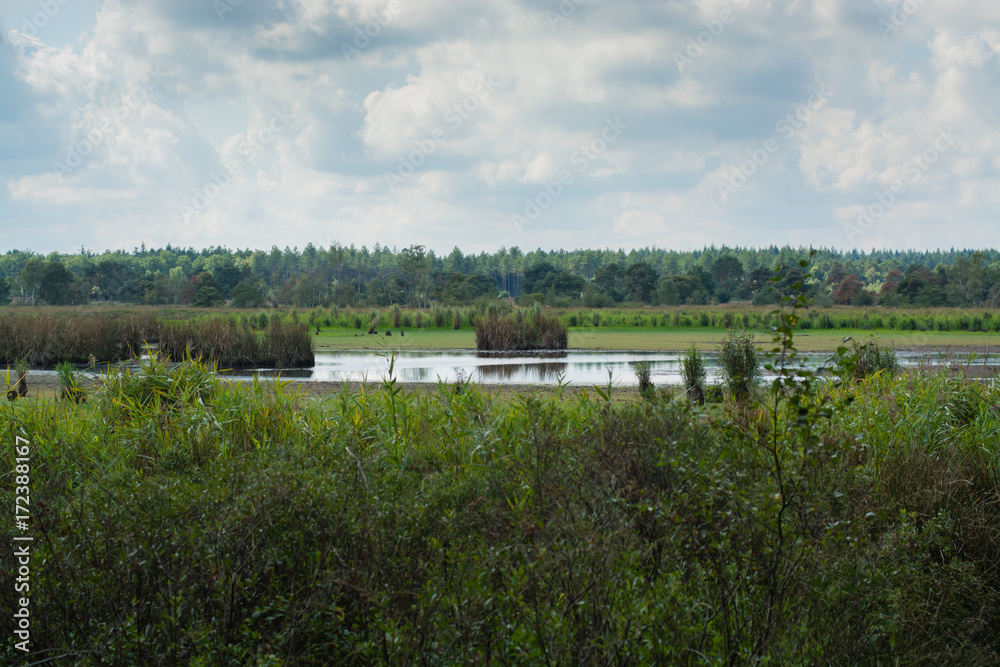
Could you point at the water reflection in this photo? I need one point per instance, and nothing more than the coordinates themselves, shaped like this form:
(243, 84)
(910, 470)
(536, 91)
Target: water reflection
(575, 367)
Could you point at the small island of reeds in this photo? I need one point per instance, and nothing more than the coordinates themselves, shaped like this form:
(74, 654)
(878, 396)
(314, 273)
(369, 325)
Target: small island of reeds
(520, 330)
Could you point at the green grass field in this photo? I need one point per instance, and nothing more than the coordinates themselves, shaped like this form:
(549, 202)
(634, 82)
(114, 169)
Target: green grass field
(651, 338)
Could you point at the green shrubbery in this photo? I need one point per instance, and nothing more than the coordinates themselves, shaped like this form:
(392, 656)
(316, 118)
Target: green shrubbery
(180, 518)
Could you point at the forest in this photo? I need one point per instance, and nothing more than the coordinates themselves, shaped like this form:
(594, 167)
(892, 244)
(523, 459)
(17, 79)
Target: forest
(417, 277)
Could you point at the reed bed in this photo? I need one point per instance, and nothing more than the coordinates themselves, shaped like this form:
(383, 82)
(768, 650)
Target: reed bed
(520, 331)
(45, 340)
(232, 342)
(758, 318)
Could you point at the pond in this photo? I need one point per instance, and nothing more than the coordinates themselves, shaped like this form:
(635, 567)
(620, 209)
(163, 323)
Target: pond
(574, 367)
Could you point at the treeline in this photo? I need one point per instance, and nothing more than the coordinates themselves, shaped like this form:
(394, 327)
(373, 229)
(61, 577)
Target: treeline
(350, 276)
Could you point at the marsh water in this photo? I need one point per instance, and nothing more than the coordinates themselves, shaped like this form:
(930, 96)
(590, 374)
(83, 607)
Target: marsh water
(574, 367)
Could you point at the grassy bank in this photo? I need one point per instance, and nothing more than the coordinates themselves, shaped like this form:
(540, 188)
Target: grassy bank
(637, 338)
(179, 519)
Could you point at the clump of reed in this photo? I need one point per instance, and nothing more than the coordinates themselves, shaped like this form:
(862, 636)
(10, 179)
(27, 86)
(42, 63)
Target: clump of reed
(69, 383)
(44, 340)
(519, 331)
(868, 357)
(740, 363)
(694, 373)
(19, 387)
(226, 342)
(643, 373)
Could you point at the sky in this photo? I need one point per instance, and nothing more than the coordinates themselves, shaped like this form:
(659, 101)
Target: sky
(853, 124)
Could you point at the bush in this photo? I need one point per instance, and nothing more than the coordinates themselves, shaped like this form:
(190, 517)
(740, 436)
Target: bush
(740, 363)
(183, 519)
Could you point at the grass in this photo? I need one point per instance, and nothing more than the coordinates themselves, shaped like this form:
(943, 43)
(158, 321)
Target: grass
(415, 339)
(645, 339)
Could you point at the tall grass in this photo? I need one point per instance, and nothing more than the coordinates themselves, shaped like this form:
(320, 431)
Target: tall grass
(869, 357)
(231, 342)
(644, 374)
(44, 340)
(740, 363)
(693, 372)
(519, 331)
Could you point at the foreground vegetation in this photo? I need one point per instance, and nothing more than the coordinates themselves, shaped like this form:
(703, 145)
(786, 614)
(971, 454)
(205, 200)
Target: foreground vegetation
(179, 519)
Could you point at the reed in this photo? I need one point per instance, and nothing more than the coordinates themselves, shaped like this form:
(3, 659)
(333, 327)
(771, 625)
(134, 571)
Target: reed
(740, 363)
(224, 342)
(44, 339)
(694, 373)
(509, 332)
(643, 372)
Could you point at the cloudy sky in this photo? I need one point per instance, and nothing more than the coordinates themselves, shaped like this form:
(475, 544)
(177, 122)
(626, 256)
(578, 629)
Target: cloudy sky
(537, 123)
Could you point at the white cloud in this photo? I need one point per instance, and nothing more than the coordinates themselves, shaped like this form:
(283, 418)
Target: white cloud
(321, 177)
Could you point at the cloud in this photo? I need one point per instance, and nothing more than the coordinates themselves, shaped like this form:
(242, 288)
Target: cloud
(373, 87)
